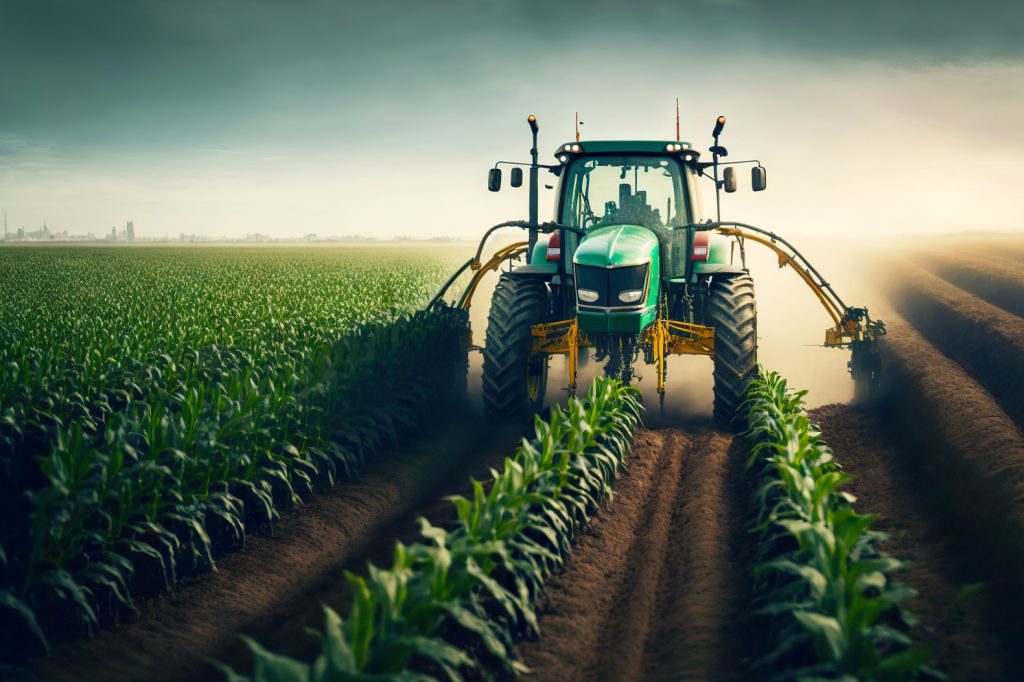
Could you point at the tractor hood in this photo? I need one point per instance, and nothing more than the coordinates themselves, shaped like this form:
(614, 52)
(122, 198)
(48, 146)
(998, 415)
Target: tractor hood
(617, 246)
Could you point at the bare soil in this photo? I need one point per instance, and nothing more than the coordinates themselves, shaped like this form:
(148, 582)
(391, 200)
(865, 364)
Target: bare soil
(278, 582)
(996, 280)
(964, 431)
(286, 630)
(655, 589)
(964, 447)
(986, 340)
(954, 624)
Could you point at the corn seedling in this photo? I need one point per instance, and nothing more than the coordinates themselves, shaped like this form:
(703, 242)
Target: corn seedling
(452, 605)
(825, 589)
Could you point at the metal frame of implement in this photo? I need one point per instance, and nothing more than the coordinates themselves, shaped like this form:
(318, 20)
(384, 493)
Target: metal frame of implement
(664, 337)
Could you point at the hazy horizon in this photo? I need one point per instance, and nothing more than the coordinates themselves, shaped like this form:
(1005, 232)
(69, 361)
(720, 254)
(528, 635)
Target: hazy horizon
(227, 118)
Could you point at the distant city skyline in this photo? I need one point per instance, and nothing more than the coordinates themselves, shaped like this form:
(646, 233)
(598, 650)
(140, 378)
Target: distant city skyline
(234, 118)
(44, 234)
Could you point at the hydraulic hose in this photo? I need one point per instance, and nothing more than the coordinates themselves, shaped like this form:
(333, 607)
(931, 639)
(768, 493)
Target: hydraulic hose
(451, 280)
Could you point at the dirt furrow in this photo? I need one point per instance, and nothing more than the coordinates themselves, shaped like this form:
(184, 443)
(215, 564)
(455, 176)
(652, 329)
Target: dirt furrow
(582, 600)
(699, 616)
(986, 340)
(632, 618)
(651, 592)
(955, 626)
(272, 579)
(968, 451)
(998, 281)
(286, 631)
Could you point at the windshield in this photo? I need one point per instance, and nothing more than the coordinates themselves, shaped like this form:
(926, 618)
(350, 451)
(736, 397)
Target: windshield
(635, 190)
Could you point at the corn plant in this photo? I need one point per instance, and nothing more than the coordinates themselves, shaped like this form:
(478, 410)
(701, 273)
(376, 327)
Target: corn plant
(158, 406)
(825, 590)
(452, 605)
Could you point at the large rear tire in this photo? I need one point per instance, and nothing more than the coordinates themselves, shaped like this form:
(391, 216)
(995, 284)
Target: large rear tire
(866, 367)
(732, 311)
(513, 384)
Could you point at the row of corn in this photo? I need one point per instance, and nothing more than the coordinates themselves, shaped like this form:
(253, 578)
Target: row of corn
(827, 605)
(451, 605)
(131, 453)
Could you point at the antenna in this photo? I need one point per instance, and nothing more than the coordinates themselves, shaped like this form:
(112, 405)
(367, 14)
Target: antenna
(577, 126)
(677, 119)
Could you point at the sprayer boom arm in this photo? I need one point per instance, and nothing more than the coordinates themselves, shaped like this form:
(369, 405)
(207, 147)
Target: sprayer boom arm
(849, 324)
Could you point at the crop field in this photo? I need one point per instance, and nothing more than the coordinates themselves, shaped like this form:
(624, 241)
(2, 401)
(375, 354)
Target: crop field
(209, 453)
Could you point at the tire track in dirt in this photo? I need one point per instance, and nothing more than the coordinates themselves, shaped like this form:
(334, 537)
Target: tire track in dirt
(653, 590)
(273, 581)
(958, 630)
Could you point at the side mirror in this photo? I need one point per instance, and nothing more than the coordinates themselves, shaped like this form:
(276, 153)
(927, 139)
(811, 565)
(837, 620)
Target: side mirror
(494, 179)
(516, 177)
(758, 178)
(729, 179)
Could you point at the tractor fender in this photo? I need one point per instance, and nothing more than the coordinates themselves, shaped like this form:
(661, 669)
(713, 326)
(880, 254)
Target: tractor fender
(713, 253)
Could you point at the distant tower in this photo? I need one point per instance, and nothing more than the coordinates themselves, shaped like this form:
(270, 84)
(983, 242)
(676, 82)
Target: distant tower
(5, 225)
(129, 231)
(113, 233)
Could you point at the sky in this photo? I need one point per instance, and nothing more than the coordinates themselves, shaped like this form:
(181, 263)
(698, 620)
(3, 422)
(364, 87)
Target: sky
(230, 117)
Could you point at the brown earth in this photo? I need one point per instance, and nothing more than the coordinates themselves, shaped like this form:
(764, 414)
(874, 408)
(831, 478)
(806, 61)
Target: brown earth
(986, 340)
(957, 628)
(996, 280)
(965, 433)
(967, 451)
(286, 631)
(655, 589)
(279, 580)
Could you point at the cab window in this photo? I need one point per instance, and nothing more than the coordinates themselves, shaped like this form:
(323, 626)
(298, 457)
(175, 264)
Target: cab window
(626, 190)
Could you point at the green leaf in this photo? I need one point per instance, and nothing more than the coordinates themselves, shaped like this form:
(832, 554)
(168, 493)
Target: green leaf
(271, 667)
(827, 633)
(10, 602)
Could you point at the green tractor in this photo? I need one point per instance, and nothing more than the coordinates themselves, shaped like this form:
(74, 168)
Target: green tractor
(628, 269)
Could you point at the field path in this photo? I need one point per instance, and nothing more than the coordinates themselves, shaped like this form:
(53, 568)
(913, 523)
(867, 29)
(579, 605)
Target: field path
(277, 583)
(654, 589)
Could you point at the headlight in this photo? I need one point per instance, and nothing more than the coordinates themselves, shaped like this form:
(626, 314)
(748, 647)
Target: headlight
(588, 295)
(631, 295)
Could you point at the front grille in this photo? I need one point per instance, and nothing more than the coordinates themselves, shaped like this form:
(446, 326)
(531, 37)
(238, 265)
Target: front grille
(609, 282)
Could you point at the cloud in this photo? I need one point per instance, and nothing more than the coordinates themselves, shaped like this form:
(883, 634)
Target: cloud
(317, 111)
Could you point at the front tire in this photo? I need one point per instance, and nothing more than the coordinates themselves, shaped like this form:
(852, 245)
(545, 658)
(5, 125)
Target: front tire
(513, 383)
(732, 311)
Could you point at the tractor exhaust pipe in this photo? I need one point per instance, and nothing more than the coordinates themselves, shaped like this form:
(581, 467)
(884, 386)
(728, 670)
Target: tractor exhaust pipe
(532, 120)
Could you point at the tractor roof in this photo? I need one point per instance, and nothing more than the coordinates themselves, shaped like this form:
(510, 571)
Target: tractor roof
(624, 146)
